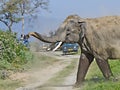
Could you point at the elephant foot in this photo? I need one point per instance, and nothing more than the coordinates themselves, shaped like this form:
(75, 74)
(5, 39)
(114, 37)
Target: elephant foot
(108, 74)
(78, 85)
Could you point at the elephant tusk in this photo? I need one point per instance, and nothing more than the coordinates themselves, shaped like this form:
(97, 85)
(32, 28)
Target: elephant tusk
(60, 43)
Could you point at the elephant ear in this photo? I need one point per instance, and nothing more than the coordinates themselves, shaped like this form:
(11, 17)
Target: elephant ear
(82, 29)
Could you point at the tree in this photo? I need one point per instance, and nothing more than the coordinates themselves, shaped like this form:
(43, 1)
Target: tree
(8, 13)
(13, 11)
(30, 7)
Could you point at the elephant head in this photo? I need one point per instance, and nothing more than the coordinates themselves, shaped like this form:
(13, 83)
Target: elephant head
(75, 28)
(71, 30)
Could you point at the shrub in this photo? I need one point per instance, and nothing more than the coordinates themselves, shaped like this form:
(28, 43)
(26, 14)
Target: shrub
(12, 53)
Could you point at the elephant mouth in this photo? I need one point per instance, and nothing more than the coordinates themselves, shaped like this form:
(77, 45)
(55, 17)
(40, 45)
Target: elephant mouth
(69, 41)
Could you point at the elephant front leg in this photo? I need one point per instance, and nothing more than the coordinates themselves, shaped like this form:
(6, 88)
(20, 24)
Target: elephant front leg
(84, 63)
(104, 67)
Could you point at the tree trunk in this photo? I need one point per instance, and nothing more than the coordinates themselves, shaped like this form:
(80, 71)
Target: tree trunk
(9, 27)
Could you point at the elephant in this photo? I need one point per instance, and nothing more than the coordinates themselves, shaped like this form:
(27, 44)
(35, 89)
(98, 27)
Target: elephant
(98, 38)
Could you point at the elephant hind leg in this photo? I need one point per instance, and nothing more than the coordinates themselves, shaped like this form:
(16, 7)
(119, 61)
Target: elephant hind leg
(105, 68)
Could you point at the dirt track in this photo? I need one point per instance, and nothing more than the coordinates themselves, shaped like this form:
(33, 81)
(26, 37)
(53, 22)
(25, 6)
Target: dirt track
(42, 77)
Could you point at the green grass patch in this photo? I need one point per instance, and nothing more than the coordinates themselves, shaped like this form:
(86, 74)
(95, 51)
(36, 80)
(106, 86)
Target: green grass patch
(9, 85)
(96, 81)
(115, 66)
(101, 85)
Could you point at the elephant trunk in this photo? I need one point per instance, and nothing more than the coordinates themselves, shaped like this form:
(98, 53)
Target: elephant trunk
(44, 38)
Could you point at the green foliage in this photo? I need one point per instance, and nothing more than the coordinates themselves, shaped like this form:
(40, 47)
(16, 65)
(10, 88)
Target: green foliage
(115, 66)
(12, 53)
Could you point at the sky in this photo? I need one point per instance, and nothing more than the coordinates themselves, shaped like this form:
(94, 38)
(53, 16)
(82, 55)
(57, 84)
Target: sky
(58, 10)
(84, 8)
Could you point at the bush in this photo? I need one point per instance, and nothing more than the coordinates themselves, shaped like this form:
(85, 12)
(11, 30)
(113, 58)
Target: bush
(12, 53)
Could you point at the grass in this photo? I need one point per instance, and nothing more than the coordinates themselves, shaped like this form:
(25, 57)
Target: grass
(96, 81)
(9, 85)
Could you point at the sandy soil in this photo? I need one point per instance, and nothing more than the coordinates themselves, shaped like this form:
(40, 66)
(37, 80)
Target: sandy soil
(38, 78)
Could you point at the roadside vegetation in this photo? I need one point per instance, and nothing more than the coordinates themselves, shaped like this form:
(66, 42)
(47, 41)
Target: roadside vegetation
(13, 56)
(12, 53)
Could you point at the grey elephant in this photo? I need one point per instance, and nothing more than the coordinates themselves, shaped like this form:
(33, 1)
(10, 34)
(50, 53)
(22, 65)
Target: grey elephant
(98, 38)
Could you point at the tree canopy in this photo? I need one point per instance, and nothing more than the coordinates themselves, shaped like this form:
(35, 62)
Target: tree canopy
(13, 11)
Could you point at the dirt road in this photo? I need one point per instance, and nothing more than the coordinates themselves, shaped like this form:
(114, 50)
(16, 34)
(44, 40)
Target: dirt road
(45, 79)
